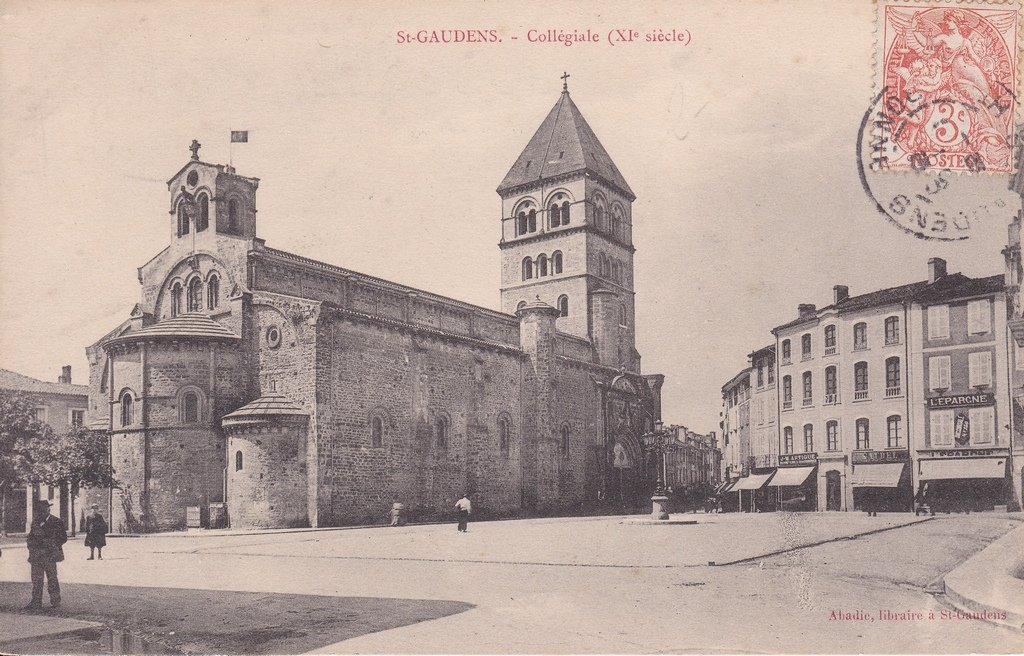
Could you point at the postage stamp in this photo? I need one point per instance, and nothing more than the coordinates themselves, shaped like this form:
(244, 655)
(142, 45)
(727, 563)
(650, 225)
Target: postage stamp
(946, 75)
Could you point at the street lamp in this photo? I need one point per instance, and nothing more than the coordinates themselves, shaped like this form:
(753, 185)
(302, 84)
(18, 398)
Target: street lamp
(658, 441)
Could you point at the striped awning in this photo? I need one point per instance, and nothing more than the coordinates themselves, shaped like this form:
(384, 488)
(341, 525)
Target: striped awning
(790, 476)
(882, 474)
(963, 468)
(752, 482)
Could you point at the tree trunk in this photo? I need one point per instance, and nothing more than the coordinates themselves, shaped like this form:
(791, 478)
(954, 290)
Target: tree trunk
(71, 516)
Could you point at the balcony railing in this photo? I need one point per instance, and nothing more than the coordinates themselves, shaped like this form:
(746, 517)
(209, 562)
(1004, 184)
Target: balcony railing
(860, 346)
(860, 395)
(830, 350)
(805, 356)
(831, 399)
(787, 405)
(890, 392)
(785, 360)
(892, 341)
(808, 402)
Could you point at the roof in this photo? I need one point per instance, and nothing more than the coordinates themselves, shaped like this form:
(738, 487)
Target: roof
(265, 407)
(737, 379)
(564, 143)
(13, 381)
(184, 326)
(888, 296)
(960, 286)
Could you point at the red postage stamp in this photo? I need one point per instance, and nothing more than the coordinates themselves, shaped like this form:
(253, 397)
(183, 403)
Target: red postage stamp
(948, 85)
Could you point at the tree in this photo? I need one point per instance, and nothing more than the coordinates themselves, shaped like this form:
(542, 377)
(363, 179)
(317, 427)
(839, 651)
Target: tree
(24, 445)
(79, 460)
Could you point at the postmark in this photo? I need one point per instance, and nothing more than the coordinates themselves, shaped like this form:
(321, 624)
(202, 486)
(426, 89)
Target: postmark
(946, 74)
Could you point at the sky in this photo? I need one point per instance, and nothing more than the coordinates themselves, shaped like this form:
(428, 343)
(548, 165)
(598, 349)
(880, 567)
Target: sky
(383, 157)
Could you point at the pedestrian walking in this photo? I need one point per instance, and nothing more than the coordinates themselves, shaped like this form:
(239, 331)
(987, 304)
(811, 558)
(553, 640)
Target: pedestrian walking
(45, 549)
(397, 509)
(95, 532)
(465, 507)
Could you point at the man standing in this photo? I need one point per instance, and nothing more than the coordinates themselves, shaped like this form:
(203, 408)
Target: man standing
(464, 507)
(45, 550)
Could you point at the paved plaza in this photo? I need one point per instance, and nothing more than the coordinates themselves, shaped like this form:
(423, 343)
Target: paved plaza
(585, 585)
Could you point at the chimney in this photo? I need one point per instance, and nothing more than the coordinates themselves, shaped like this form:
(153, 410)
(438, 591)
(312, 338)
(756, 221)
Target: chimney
(65, 374)
(936, 269)
(840, 293)
(806, 310)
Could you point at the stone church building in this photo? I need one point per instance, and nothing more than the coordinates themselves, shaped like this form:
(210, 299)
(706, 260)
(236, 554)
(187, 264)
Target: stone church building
(294, 392)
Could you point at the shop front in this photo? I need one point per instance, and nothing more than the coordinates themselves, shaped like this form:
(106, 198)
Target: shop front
(795, 484)
(963, 479)
(881, 481)
(750, 493)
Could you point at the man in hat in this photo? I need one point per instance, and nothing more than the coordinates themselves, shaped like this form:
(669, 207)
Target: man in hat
(95, 532)
(45, 550)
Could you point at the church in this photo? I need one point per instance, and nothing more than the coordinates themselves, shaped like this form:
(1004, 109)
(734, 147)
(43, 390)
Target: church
(268, 389)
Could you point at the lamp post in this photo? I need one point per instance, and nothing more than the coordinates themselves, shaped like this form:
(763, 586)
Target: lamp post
(658, 441)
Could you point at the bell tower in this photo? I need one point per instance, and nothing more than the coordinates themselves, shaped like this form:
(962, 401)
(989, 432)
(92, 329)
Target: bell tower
(566, 234)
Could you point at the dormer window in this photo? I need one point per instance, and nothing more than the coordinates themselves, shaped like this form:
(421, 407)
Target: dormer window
(203, 218)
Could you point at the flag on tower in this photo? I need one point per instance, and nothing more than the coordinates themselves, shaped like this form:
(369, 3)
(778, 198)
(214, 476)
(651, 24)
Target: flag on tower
(240, 136)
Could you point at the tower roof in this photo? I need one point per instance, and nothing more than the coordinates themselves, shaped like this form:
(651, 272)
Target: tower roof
(564, 143)
(191, 325)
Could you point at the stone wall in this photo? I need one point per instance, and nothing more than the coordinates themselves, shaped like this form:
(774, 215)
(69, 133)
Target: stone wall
(267, 484)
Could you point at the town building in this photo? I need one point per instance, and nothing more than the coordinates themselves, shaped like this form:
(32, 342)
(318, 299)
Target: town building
(692, 460)
(61, 405)
(735, 426)
(962, 402)
(301, 393)
(1015, 348)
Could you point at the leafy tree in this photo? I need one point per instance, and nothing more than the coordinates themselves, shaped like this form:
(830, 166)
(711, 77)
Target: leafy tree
(25, 443)
(79, 460)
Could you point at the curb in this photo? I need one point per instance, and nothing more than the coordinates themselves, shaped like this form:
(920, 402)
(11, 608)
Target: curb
(987, 585)
(882, 529)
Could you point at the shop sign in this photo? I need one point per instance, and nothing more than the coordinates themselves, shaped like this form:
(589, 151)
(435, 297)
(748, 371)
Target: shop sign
(866, 457)
(962, 429)
(967, 453)
(794, 459)
(961, 401)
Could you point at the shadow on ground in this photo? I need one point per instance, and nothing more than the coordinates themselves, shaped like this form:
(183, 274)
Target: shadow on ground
(171, 620)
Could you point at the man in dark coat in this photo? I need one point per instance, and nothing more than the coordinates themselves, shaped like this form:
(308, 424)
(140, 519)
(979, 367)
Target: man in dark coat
(95, 532)
(45, 549)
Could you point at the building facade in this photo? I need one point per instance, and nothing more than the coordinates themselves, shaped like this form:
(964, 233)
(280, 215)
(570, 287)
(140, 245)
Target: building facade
(693, 460)
(61, 405)
(735, 426)
(299, 393)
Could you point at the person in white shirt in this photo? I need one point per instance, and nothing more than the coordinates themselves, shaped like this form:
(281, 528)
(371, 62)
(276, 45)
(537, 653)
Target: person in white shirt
(465, 507)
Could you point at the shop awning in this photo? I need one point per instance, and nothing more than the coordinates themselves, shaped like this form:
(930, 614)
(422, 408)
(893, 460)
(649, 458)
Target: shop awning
(963, 468)
(790, 476)
(882, 474)
(752, 482)
(723, 487)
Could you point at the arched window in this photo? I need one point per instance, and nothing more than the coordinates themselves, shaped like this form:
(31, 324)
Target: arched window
(376, 432)
(808, 387)
(895, 431)
(787, 439)
(520, 306)
(556, 215)
(565, 213)
(527, 268)
(787, 392)
(863, 434)
(787, 351)
(531, 219)
(860, 336)
(893, 384)
(599, 216)
(565, 441)
(830, 339)
(189, 408)
(213, 292)
(182, 218)
(176, 299)
(556, 262)
(521, 224)
(203, 219)
(616, 272)
(233, 216)
(602, 267)
(808, 438)
(892, 330)
(542, 266)
(832, 435)
(238, 461)
(860, 381)
(127, 409)
(195, 295)
(563, 306)
(441, 433)
(805, 346)
(504, 435)
(616, 223)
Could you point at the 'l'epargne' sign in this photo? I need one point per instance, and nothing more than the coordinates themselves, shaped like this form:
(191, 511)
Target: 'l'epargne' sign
(961, 400)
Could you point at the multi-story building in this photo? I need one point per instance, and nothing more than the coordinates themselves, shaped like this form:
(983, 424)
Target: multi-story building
(961, 399)
(735, 426)
(764, 410)
(694, 460)
(61, 405)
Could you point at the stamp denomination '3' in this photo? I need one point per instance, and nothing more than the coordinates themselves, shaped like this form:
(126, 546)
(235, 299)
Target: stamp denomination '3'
(948, 75)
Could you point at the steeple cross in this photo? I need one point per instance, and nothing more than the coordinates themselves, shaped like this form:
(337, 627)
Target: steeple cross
(565, 84)
(195, 149)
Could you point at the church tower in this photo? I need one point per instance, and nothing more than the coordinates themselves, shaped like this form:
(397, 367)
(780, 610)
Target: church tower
(567, 235)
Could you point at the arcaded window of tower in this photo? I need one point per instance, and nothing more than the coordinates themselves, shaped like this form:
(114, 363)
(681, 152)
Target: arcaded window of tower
(532, 220)
(542, 266)
(182, 218)
(233, 216)
(203, 220)
(176, 299)
(527, 268)
(556, 262)
(195, 295)
(127, 409)
(521, 224)
(556, 215)
(565, 213)
(563, 306)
